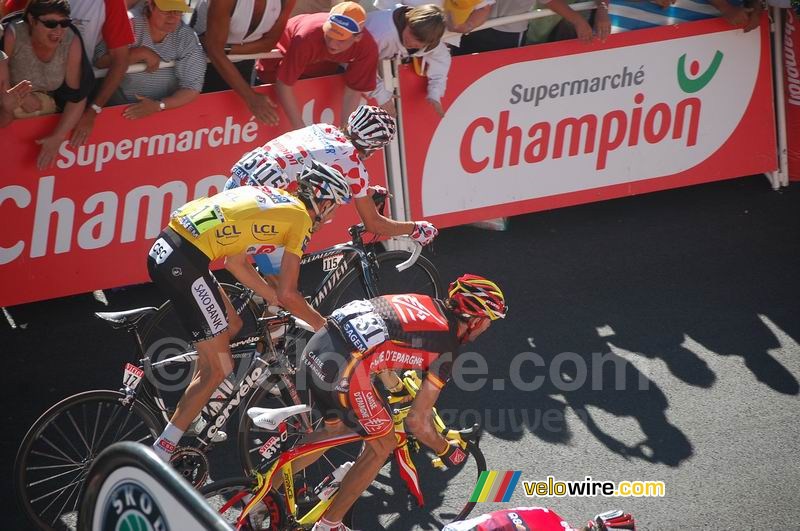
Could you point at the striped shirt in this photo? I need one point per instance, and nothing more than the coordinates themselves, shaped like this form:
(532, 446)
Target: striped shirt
(181, 46)
(629, 15)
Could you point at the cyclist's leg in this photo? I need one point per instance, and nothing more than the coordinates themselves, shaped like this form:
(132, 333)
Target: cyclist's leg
(235, 322)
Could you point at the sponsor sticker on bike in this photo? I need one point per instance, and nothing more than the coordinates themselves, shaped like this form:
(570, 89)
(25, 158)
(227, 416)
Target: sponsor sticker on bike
(330, 263)
(132, 376)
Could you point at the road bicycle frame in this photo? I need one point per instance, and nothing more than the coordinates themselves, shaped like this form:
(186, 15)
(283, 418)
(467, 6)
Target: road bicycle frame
(283, 464)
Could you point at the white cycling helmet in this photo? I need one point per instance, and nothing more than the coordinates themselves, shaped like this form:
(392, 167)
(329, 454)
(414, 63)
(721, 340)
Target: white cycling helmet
(320, 182)
(371, 127)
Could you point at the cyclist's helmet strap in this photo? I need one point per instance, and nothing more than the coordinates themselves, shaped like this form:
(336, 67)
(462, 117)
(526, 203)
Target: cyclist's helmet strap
(319, 182)
(371, 127)
(475, 296)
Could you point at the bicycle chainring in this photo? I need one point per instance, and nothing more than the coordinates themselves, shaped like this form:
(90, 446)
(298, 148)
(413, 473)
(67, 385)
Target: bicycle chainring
(191, 463)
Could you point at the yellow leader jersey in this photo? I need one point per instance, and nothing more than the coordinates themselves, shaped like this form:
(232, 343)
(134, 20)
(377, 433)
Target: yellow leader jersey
(248, 219)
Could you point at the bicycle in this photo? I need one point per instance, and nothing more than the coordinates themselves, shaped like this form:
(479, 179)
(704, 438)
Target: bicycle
(248, 503)
(38, 456)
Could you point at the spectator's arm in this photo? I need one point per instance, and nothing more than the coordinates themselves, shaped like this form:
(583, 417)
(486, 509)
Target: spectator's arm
(438, 61)
(602, 21)
(582, 28)
(349, 102)
(268, 41)
(735, 15)
(289, 105)
(475, 19)
(72, 110)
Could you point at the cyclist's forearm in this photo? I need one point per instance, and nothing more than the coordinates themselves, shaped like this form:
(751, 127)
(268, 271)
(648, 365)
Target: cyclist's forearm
(389, 227)
(294, 302)
(426, 433)
(247, 275)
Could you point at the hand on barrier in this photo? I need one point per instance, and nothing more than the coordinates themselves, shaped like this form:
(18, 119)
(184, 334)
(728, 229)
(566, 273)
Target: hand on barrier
(453, 455)
(437, 106)
(263, 108)
(424, 232)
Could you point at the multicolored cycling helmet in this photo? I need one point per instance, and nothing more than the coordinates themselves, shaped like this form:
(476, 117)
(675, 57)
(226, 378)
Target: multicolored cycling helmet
(475, 296)
(371, 127)
(320, 182)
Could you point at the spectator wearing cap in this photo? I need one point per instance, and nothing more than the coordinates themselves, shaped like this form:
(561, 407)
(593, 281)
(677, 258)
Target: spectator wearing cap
(317, 44)
(412, 32)
(43, 50)
(107, 19)
(160, 35)
(627, 15)
(240, 27)
(462, 16)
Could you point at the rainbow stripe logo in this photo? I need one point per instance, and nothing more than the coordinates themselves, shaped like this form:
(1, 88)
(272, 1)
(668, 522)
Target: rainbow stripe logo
(494, 486)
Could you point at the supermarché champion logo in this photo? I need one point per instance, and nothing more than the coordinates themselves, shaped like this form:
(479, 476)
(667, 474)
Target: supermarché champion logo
(698, 81)
(131, 507)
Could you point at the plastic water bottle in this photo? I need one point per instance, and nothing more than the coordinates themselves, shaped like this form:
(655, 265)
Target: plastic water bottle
(330, 485)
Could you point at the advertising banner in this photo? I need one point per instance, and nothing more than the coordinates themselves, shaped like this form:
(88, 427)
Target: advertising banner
(566, 123)
(791, 85)
(88, 222)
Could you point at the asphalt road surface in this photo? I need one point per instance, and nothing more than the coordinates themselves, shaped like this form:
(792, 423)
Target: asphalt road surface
(688, 299)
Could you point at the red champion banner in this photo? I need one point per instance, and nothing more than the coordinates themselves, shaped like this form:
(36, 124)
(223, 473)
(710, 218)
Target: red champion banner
(791, 85)
(564, 123)
(88, 222)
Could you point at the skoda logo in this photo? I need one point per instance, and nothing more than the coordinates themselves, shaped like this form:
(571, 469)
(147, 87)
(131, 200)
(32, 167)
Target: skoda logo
(131, 507)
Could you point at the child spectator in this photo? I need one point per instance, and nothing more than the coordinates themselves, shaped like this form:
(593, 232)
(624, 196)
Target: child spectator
(44, 50)
(627, 15)
(240, 27)
(316, 45)
(160, 35)
(462, 16)
(109, 18)
(412, 32)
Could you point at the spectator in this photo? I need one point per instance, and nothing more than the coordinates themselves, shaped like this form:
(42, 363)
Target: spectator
(240, 27)
(10, 97)
(9, 6)
(570, 24)
(462, 15)
(316, 45)
(412, 32)
(43, 50)
(159, 35)
(109, 18)
(627, 15)
(305, 7)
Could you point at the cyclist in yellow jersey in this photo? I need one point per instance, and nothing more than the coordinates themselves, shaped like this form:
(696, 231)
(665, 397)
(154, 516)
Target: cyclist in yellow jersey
(232, 225)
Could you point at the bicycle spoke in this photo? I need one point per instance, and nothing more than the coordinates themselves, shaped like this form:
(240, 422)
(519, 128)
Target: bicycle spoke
(47, 467)
(122, 426)
(108, 424)
(45, 439)
(69, 442)
(75, 425)
(50, 478)
(94, 432)
(55, 457)
(125, 437)
(75, 492)
(59, 513)
(78, 480)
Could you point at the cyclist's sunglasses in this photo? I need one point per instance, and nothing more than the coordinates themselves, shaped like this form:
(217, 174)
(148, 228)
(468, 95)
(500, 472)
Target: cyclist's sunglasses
(53, 24)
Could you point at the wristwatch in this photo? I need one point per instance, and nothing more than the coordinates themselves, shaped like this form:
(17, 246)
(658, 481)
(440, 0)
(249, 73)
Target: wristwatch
(162, 106)
(96, 108)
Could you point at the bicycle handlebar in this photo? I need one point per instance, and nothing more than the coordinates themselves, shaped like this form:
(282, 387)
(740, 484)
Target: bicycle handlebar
(411, 259)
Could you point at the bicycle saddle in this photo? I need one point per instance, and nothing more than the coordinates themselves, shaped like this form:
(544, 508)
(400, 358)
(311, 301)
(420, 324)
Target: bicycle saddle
(270, 418)
(125, 318)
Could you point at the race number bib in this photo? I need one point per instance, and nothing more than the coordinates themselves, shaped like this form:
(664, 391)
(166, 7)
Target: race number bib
(361, 325)
(259, 169)
(132, 376)
(160, 251)
(204, 218)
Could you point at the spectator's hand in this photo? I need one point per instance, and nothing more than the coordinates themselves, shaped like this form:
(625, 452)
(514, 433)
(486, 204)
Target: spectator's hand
(48, 151)
(263, 108)
(602, 24)
(84, 128)
(145, 107)
(390, 107)
(663, 3)
(437, 106)
(31, 103)
(12, 98)
(754, 17)
(736, 15)
(583, 29)
(150, 58)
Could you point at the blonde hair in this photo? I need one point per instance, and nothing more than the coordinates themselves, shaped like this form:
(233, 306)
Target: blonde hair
(427, 23)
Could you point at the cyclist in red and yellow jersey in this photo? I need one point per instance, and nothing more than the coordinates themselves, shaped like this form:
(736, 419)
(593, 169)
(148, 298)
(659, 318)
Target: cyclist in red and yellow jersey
(232, 225)
(392, 332)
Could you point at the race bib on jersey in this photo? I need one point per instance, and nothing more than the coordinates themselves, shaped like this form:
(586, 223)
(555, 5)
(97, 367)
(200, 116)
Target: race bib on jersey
(361, 325)
(259, 169)
(200, 220)
(417, 313)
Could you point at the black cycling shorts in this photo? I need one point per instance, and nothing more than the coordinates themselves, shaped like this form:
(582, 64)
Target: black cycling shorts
(180, 270)
(325, 369)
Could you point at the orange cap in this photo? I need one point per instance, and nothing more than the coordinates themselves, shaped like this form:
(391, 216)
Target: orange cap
(345, 20)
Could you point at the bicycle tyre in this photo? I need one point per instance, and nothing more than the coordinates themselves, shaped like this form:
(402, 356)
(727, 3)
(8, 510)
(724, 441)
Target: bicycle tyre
(27, 477)
(229, 496)
(422, 277)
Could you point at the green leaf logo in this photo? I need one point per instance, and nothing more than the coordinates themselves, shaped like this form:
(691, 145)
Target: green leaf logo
(134, 521)
(699, 80)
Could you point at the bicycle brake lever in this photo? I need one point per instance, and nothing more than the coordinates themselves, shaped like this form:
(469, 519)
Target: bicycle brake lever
(411, 259)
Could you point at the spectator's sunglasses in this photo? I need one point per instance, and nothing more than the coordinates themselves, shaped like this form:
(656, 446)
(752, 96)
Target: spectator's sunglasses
(53, 24)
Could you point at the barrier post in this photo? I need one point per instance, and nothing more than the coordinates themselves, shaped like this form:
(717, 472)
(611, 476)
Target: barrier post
(780, 177)
(395, 174)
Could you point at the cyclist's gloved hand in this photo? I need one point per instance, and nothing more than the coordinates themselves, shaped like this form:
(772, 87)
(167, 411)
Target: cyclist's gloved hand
(612, 520)
(424, 232)
(400, 396)
(453, 455)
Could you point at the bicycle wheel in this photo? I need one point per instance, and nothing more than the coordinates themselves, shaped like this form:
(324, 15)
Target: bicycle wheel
(54, 457)
(422, 277)
(446, 494)
(230, 496)
(164, 336)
